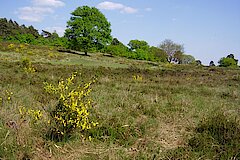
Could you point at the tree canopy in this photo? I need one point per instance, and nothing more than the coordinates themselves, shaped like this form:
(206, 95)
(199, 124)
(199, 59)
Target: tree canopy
(186, 59)
(211, 64)
(171, 48)
(12, 28)
(159, 54)
(88, 29)
(137, 44)
(228, 61)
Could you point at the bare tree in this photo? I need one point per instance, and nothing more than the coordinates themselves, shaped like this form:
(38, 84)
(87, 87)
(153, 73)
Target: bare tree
(170, 48)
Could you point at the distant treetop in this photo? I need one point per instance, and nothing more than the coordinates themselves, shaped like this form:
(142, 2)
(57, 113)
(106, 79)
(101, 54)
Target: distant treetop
(228, 61)
(12, 28)
(88, 30)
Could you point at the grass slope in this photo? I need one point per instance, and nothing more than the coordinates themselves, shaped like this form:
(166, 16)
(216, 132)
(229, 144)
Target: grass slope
(144, 110)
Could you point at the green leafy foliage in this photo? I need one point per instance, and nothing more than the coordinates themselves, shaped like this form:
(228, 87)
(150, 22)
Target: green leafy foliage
(140, 51)
(186, 59)
(88, 30)
(142, 54)
(158, 54)
(25, 38)
(12, 28)
(11, 31)
(228, 61)
(117, 50)
(137, 44)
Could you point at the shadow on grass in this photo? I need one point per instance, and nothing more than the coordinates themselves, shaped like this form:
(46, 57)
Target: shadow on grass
(73, 52)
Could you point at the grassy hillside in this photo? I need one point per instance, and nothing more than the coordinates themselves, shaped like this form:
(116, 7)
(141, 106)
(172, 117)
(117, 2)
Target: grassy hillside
(144, 110)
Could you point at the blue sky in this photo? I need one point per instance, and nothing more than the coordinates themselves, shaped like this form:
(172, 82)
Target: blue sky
(209, 29)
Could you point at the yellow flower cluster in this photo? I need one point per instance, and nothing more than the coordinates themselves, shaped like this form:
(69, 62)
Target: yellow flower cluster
(9, 95)
(27, 65)
(35, 115)
(29, 69)
(11, 46)
(16, 48)
(22, 46)
(73, 108)
(6, 97)
(137, 78)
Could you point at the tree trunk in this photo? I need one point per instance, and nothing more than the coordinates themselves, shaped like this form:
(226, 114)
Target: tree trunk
(169, 59)
(85, 52)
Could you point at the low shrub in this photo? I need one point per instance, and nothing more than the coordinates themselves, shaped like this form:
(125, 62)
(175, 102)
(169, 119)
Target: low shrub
(72, 110)
(27, 65)
(216, 137)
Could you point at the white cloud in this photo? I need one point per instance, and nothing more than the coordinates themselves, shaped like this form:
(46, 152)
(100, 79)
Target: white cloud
(110, 5)
(60, 30)
(128, 10)
(33, 14)
(49, 3)
(38, 10)
(116, 6)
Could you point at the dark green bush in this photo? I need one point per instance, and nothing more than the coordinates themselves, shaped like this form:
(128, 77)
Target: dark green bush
(216, 137)
(227, 62)
(117, 50)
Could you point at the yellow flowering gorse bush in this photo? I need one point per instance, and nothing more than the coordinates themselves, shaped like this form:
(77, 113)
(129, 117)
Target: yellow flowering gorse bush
(72, 111)
(27, 65)
(11, 46)
(34, 115)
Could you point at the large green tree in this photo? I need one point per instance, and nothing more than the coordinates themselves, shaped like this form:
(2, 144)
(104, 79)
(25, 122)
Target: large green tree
(88, 29)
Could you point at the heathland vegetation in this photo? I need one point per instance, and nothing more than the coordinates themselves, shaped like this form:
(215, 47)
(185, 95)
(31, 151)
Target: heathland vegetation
(86, 95)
